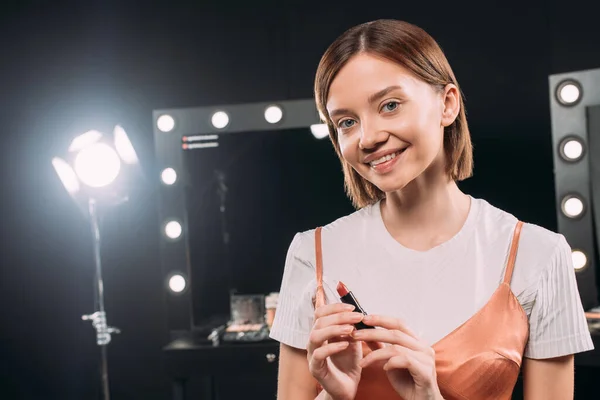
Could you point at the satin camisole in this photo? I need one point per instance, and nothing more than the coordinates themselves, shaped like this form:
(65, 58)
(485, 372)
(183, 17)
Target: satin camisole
(480, 359)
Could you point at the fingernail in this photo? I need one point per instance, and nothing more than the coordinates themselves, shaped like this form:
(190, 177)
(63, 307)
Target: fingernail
(367, 318)
(349, 307)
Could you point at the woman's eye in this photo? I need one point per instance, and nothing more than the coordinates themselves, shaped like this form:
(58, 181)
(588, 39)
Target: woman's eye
(347, 123)
(390, 106)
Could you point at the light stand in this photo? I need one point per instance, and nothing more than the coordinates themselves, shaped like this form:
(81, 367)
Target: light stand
(96, 176)
(98, 318)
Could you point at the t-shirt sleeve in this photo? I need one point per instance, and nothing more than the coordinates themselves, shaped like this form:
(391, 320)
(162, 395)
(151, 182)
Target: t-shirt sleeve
(294, 314)
(557, 323)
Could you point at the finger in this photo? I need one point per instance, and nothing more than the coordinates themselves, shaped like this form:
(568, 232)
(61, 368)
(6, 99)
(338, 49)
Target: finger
(319, 336)
(423, 373)
(319, 357)
(390, 336)
(398, 357)
(399, 362)
(334, 308)
(374, 345)
(340, 318)
(382, 354)
(388, 323)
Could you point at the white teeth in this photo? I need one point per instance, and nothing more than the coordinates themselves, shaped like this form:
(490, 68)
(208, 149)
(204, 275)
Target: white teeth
(384, 159)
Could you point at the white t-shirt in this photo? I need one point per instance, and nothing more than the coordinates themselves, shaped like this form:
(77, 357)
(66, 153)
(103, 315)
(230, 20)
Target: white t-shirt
(437, 290)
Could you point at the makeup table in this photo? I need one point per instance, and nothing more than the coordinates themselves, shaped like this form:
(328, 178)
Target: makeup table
(199, 370)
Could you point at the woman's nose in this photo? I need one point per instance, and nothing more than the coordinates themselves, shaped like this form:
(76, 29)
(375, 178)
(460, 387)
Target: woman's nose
(371, 137)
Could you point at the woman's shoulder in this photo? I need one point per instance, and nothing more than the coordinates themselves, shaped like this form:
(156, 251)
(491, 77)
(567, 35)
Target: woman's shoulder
(340, 232)
(537, 246)
(496, 220)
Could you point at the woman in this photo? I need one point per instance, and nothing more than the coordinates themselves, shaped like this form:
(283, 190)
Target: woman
(463, 296)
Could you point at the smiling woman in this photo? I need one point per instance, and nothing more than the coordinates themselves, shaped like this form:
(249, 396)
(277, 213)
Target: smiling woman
(412, 71)
(463, 294)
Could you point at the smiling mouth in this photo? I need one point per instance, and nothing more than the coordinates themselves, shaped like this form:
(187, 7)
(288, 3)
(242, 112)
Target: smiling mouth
(386, 158)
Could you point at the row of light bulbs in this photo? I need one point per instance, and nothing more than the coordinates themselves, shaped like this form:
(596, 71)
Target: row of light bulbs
(273, 114)
(569, 93)
(176, 282)
(219, 119)
(571, 150)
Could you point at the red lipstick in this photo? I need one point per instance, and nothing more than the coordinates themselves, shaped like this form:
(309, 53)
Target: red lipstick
(347, 297)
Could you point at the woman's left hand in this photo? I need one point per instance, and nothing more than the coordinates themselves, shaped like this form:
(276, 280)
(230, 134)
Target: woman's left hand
(408, 361)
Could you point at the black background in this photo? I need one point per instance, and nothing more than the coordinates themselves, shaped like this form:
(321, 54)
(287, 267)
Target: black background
(276, 184)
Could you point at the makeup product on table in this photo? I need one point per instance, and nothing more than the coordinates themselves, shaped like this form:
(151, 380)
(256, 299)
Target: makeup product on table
(347, 297)
(247, 320)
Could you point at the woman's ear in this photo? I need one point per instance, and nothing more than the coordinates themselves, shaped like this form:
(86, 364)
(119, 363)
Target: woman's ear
(451, 97)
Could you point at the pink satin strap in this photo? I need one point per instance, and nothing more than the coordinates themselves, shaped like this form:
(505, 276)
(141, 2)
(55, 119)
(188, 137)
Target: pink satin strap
(510, 265)
(320, 295)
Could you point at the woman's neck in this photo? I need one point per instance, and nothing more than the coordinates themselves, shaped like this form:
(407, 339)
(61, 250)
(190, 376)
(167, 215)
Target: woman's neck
(425, 214)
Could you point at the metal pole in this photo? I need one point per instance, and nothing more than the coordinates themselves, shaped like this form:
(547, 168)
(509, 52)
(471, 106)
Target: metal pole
(98, 318)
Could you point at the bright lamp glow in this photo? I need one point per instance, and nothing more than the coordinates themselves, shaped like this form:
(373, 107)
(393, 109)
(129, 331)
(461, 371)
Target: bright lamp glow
(84, 140)
(579, 259)
(165, 123)
(97, 165)
(568, 93)
(571, 149)
(177, 283)
(572, 206)
(220, 119)
(319, 131)
(273, 114)
(168, 176)
(173, 229)
(124, 146)
(66, 175)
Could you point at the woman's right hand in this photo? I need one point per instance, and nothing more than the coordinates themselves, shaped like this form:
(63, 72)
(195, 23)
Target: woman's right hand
(333, 356)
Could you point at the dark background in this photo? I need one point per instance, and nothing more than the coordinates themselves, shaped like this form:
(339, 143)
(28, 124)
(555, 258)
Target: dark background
(69, 67)
(276, 183)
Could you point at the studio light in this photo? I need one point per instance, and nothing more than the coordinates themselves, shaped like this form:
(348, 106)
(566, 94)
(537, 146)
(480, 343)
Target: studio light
(85, 139)
(96, 176)
(124, 147)
(220, 119)
(168, 176)
(165, 123)
(319, 131)
(572, 206)
(177, 283)
(571, 149)
(88, 160)
(173, 229)
(273, 114)
(579, 259)
(568, 92)
(66, 174)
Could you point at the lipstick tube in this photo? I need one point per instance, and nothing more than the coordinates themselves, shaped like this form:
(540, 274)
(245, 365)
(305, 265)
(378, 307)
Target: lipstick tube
(347, 297)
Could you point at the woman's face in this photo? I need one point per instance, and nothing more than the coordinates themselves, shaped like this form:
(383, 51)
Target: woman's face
(390, 124)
